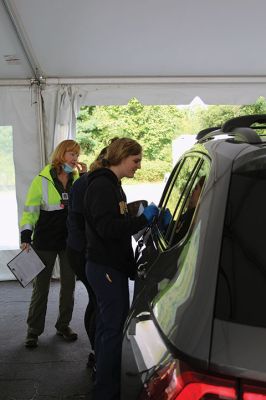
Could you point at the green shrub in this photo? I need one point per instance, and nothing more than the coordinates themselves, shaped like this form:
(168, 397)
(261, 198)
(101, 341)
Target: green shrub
(151, 171)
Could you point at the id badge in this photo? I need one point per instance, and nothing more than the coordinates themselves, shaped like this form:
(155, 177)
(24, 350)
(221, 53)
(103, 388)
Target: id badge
(64, 200)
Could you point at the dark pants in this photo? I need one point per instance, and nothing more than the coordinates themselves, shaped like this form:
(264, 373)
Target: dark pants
(77, 262)
(41, 286)
(112, 294)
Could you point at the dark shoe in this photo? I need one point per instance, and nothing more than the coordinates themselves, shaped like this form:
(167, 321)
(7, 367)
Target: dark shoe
(93, 374)
(91, 364)
(31, 340)
(91, 361)
(67, 334)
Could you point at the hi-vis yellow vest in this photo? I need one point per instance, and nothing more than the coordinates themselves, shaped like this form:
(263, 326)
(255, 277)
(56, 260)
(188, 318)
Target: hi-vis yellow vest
(42, 195)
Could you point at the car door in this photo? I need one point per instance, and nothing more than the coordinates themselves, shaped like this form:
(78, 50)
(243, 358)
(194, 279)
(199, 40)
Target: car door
(158, 249)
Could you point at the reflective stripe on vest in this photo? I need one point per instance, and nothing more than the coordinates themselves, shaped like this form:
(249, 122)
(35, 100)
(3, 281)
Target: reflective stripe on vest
(32, 209)
(26, 226)
(45, 206)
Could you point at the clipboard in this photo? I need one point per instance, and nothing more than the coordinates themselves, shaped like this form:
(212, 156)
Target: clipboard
(135, 209)
(25, 266)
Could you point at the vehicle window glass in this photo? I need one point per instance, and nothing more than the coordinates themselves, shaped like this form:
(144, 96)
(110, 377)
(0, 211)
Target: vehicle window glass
(178, 278)
(176, 195)
(241, 290)
(178, 212)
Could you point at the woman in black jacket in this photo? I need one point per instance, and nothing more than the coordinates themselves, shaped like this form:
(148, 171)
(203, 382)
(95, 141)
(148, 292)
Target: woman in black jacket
(76, 250)
(110, 259)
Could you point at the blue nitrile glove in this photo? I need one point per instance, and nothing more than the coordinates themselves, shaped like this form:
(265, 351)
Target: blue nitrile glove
(166, 218)
(150, 212)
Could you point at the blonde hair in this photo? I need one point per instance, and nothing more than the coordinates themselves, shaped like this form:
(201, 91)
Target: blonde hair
(57, 159)
(120, 149)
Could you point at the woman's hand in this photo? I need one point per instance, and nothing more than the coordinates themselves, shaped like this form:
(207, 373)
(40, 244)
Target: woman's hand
(82, 167)
(25, 246)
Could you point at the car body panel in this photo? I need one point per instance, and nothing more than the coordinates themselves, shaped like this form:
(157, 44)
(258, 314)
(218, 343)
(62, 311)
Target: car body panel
(173, 311)
(239, 350)
(178, 327)
(143, 350)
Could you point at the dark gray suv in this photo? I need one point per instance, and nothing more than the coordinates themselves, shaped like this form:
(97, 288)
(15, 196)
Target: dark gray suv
(197, 325)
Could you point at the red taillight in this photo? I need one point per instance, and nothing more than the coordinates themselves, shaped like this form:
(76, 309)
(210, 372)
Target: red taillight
(254, 392)
(170, 383)
(162, 385)
(199, 391)
(254, 396)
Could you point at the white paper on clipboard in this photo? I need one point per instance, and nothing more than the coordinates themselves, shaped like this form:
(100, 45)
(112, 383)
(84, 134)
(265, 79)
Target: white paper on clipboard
(138, 235)
(26, 266)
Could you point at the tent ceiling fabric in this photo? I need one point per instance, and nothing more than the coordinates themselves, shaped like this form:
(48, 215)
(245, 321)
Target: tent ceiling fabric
(172, 49)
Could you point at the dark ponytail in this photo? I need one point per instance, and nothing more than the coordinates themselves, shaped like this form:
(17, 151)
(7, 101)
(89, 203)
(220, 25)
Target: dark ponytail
(101, 161)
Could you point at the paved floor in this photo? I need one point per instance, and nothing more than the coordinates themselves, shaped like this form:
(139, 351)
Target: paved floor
(56, 369)
(144, 191)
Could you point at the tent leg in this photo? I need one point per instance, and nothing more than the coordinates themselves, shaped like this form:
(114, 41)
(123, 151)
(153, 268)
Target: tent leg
(40, 124)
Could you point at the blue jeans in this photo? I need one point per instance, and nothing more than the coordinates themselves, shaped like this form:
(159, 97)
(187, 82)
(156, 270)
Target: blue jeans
(111, 289)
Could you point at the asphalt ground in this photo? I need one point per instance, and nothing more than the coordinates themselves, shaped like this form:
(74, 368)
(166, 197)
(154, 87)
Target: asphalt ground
(56, 369)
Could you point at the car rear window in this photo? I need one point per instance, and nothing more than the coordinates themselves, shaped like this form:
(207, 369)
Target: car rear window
(241, 290)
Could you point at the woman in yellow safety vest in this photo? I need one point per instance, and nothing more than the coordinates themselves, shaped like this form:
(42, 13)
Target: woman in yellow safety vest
(43, 225)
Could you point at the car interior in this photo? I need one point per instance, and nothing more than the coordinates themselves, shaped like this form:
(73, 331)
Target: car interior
(181, 200)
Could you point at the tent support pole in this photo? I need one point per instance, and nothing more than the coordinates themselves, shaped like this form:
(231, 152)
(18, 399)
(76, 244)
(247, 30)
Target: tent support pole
(40, 124)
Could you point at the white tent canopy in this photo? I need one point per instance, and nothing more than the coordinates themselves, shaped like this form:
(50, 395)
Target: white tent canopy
(162, 52)
(57, 55)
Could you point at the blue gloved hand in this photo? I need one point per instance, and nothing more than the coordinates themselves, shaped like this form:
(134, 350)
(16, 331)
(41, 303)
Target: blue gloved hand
(150, 212)
(166, 218)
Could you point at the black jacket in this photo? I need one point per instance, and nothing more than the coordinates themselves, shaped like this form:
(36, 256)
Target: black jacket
(76, 238)
(108, 226)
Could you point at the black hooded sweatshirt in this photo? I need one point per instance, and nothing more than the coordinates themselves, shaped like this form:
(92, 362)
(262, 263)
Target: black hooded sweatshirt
(108, 226)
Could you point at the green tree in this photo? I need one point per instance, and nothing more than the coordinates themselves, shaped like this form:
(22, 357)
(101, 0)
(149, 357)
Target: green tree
(215, 116)
(153, 126)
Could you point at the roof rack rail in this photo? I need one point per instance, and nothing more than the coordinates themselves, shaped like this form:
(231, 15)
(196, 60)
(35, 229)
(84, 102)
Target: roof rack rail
(243, 121)
(245, 134)
(206, 131)
(239, 128)
(241, 134)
